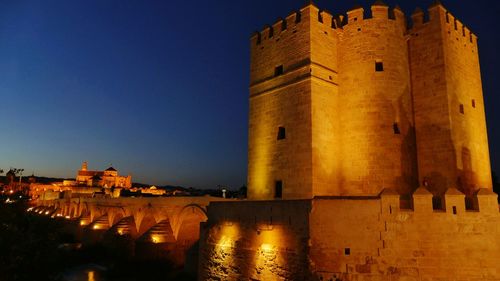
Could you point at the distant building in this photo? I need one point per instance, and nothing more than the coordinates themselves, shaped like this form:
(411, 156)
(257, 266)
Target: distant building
(106, 178)
(153, 190)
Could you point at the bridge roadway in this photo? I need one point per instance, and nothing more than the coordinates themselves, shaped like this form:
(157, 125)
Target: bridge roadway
(171, 223)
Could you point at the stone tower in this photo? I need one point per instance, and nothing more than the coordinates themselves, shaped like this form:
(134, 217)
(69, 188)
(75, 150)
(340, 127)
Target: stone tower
(84, 166)
(450, 120)
(348, 106)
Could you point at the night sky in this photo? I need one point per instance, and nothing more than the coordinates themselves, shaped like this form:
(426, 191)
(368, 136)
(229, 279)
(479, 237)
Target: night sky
(159, 89)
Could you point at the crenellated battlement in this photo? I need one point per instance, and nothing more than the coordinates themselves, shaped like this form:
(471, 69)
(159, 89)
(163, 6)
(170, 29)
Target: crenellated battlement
(275, 30)
(453, 202)
(379, 10)
(437, 13)
(341, 107)
(292, 22)
(371, 50)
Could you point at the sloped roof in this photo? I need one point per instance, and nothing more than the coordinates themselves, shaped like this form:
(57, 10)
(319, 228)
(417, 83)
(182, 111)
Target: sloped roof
(422, 191)
(453, 191)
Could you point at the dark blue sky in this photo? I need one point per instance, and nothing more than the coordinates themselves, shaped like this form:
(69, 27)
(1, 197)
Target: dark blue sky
(157, 88)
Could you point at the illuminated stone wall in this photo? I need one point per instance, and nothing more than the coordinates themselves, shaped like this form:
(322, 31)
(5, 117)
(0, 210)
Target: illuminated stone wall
(354, 130)
(352, 238)
(452, 146)
(255, 241)
(281, 101)
(373, 155)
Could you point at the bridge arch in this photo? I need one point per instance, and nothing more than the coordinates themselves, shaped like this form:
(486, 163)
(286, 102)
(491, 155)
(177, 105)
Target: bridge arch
(187, 226)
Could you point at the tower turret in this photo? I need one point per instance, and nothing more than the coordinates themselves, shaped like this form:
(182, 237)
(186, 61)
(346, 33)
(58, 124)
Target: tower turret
(352, 105)
(450, 120)
(375, 112)
(84, 166)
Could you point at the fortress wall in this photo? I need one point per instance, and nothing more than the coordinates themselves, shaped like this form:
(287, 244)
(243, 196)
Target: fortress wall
(469, 134)
(325, 104)
(452, 147)
(373, 102)
(395, 244)
(280, 240)
(281, 100)
(271, 46)
(287, 160)
(264, 240)
(433, 127)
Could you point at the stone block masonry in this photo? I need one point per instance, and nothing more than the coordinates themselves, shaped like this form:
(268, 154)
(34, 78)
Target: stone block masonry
(367, 156)
(353, 238)
(366, 103)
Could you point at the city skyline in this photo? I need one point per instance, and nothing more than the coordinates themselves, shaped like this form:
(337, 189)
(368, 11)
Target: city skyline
(157, 89)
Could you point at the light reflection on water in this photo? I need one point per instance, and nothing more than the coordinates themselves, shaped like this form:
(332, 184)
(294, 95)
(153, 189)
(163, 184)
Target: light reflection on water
(90, 272)
(90, 276)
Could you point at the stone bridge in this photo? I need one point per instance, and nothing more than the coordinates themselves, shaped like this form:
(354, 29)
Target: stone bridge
(155, 223)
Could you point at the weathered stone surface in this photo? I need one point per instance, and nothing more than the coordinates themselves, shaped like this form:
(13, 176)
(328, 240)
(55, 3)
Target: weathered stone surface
(361, 101)
(347, 239)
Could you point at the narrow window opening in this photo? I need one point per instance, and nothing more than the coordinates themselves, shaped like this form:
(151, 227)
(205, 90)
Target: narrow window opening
(320, 17)
(462, 109)
(473, 103)
(283, 25)
(330, 77)
(271, 32)
(278, 190)
(456, 27)
(355, 19)
(447, 18)
(396, 129)
(281, 133)
(359, 29)
(297, 17)
(463, 31)
(390, 209)
(347, 251)
(278, 70)
(379, 66)
(259, 39)
(454, 210)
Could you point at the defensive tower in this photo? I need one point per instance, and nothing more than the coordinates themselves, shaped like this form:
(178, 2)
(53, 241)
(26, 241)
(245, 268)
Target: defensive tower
(448, 99)
(350, 105)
